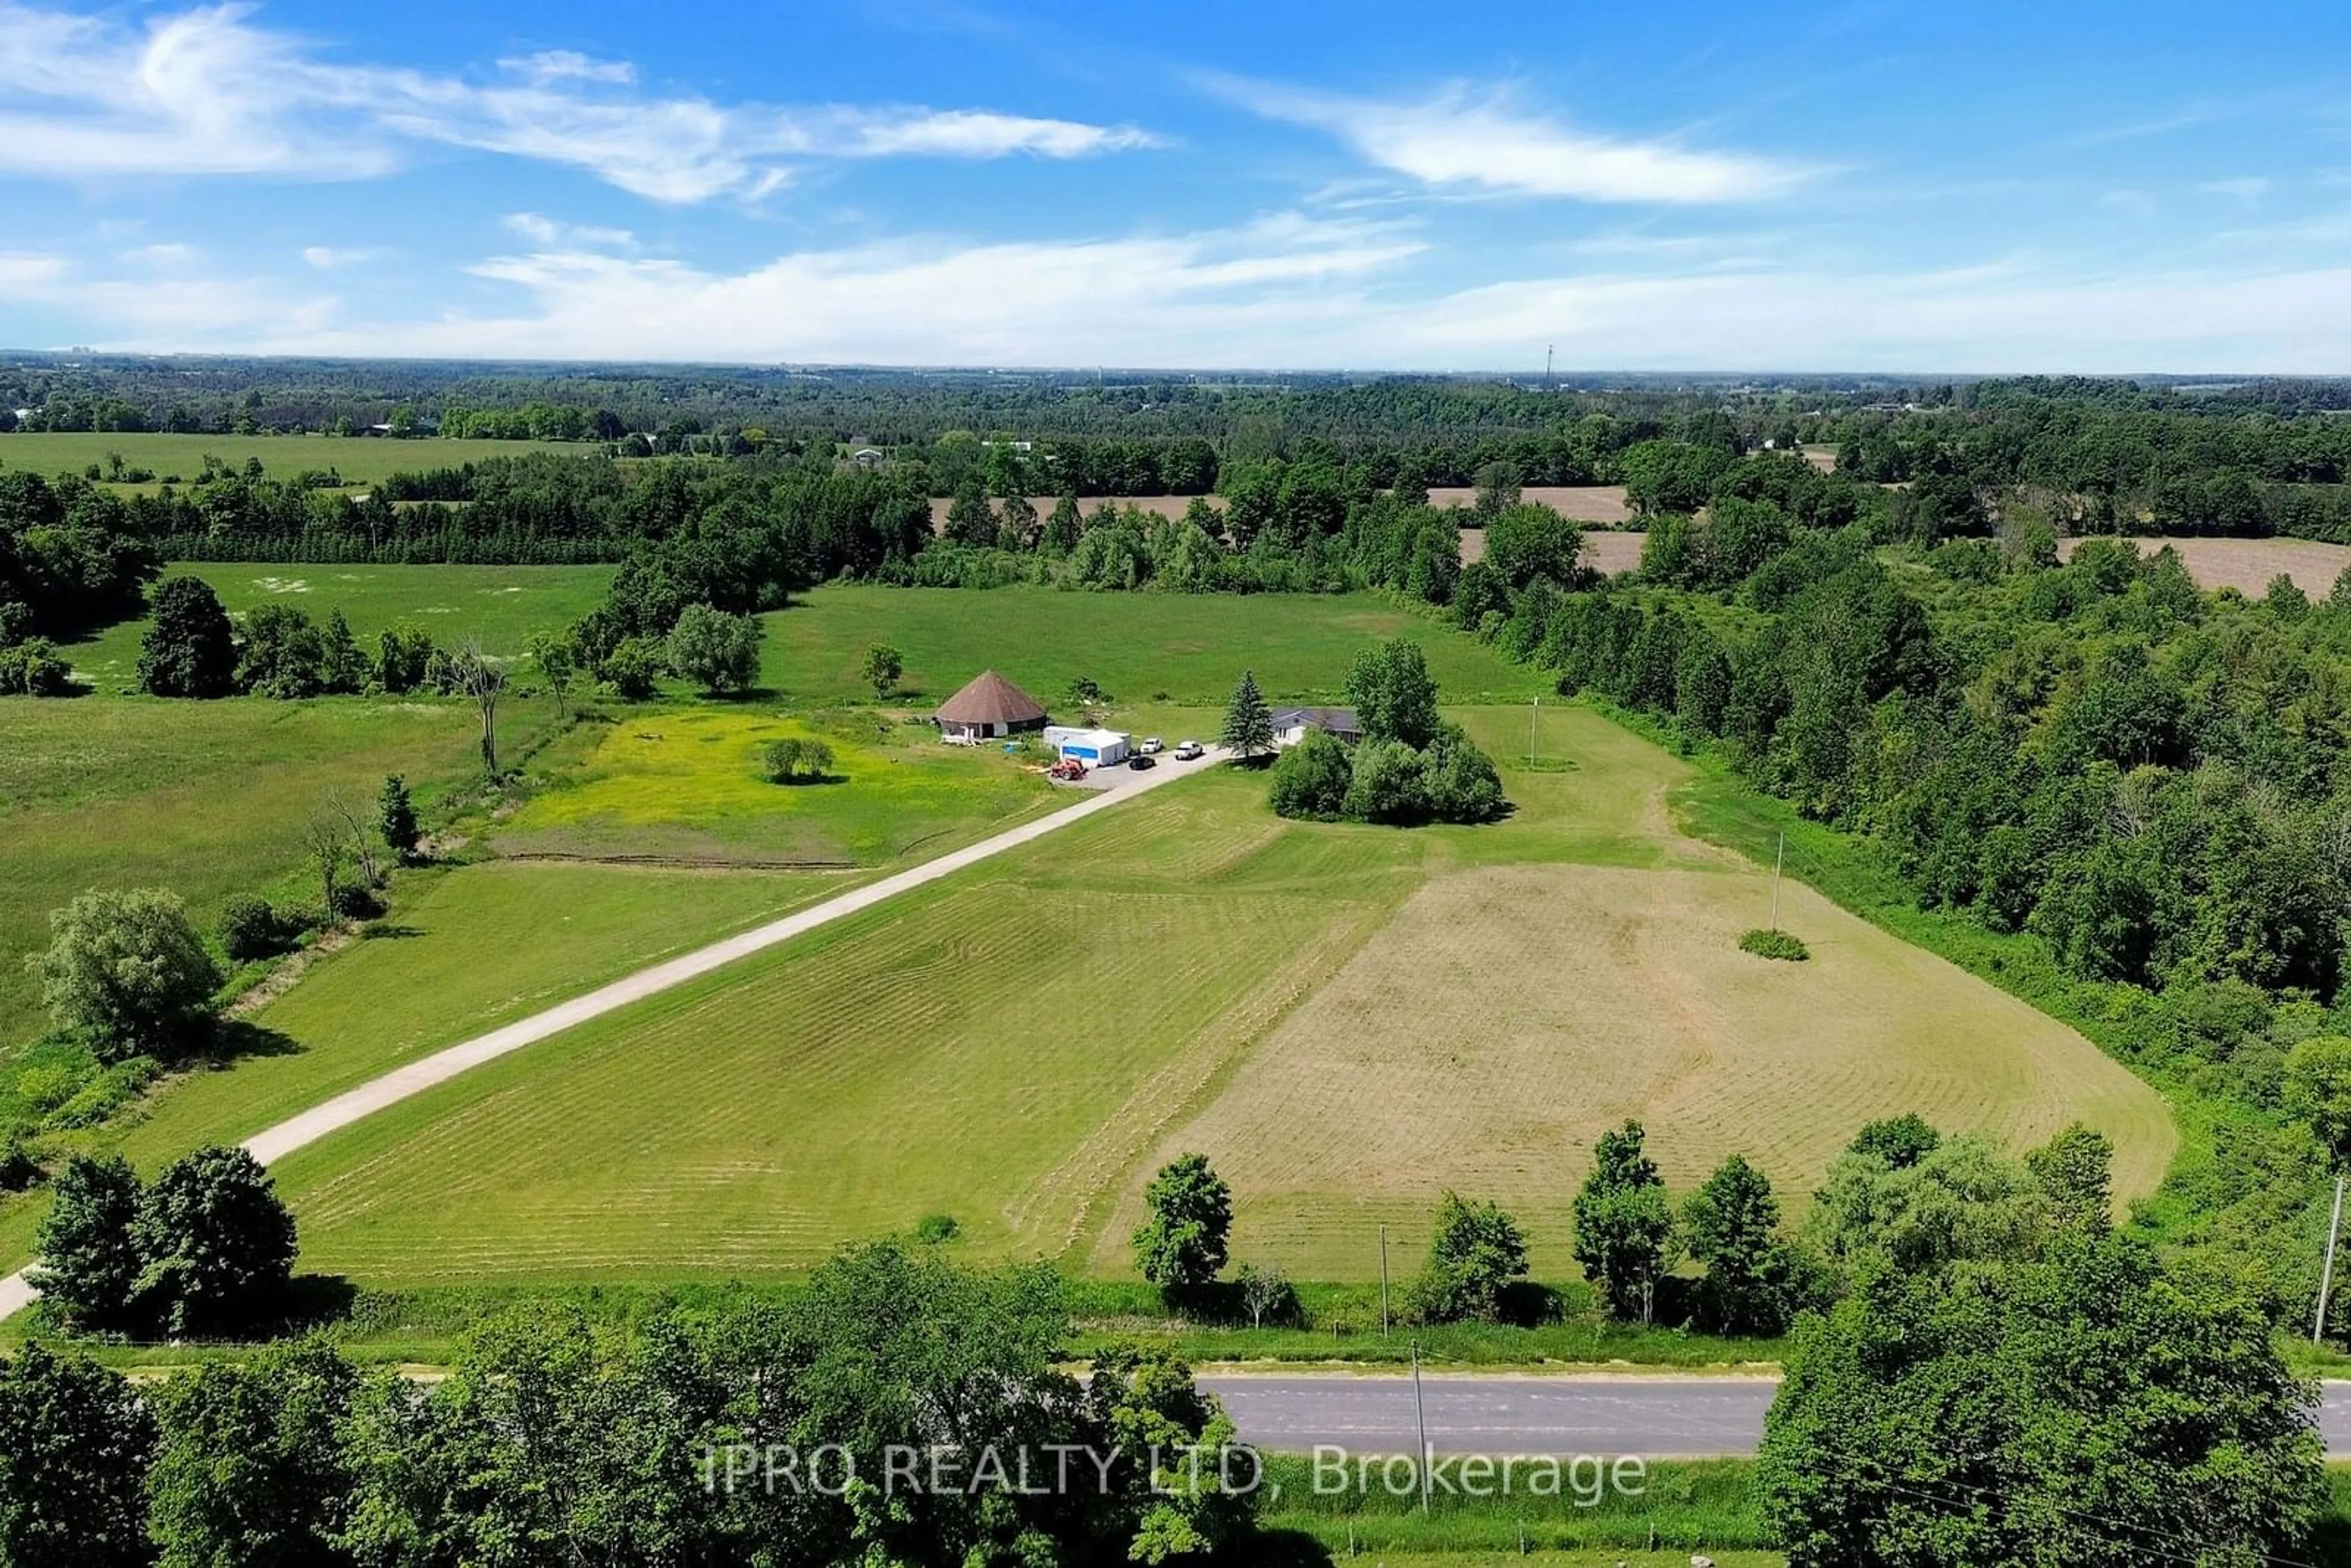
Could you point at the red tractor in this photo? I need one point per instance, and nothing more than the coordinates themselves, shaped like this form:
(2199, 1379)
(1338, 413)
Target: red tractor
(1069, 770)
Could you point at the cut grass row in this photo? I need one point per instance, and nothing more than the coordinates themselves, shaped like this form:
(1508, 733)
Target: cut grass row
(468, 949)
(1021, 1045)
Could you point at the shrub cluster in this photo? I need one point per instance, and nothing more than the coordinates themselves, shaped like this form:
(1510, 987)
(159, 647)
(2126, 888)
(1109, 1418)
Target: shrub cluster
(793, 760)
(1774, 943)
(206, 1250)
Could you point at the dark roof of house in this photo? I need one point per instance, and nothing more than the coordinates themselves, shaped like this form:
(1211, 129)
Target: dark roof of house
(990, 699)
(1340, 720)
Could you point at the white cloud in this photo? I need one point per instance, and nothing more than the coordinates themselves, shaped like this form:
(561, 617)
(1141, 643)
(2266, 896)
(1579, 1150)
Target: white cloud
(328, 257)
(1454, 140)
(197, 93)
(195, 309)
(1240, 295)
(1295, 293)
(551, 235)
(566, 64)
(207, 91)
(1989, 318)
(2248, 189)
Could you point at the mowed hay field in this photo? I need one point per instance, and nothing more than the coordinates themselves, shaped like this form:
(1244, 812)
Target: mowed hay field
(2247, 565)
(1506, 1016)
(1605, 551)
(470, 948)
(1165, 647)
(1001, 1047)
(1349, 1020)
(501, 605)
(364, 460)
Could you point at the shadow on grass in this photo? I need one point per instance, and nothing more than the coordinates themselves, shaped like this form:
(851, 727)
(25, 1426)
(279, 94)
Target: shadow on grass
(310, 1301)
(385, 930)
(237, 1039)
(1288, 1549)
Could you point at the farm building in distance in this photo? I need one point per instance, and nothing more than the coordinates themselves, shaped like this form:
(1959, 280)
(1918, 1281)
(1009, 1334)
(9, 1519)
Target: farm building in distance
(1291, 724)
(987, 707)
(1095, 748)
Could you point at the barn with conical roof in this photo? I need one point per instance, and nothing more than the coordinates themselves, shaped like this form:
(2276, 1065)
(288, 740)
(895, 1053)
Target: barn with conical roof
(987, 707)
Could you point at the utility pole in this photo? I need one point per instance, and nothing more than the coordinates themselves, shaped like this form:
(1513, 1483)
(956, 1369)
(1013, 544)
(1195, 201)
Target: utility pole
(1420, 1420)
(1533, 715)
(1384, 1282)
(2326, 1273)
(1778, 860)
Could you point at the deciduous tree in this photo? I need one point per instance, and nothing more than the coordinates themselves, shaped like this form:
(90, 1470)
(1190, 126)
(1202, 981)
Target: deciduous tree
(215, 1245)
(882, 668)
(1477, 1250)
(128, 971)
(89, 1262)
(191, 650)
(1182, 1243)
(75, 1444)
(1622, 1223)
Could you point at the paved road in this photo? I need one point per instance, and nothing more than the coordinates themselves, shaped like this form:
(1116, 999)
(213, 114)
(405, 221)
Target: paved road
(1657, 1416)
(274, 1143)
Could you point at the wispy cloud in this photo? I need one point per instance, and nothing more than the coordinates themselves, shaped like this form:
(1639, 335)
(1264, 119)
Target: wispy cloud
(1284, 290)
(2249, 190)
(566, 64)
(1458, 141)
(1243, 294)
(329, 257)
(550, 233)
(208, 91)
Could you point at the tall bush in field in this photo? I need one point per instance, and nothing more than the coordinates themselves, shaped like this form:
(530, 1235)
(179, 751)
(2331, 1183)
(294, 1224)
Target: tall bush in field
(1184, 1243)
(190, 650)
(128, 972)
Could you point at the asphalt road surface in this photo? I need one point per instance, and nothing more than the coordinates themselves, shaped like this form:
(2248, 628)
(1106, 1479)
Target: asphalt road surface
(1657, 1417)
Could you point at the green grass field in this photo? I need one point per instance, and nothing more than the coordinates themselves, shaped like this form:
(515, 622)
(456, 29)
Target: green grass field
(1348, 1019)
(502, 605)
(207, 799)
(685, 785)
(362, 460)
(469, 948)
(1186, 649)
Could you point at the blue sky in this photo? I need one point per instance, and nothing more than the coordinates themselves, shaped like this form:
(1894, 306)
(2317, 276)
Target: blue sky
(2050, 187)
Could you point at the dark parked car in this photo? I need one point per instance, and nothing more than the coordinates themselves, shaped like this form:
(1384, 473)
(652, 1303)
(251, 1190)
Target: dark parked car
(1141, 760)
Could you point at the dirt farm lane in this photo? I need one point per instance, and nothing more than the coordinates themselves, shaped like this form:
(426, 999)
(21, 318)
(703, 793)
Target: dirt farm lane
(17, 1292)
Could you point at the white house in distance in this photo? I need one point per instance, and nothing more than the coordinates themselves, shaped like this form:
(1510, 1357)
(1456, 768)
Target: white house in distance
(987, 707)
(1095, 748)
(1291, 724)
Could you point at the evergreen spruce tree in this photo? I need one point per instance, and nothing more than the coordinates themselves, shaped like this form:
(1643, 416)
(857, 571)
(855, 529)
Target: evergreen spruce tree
(1248, 723)
(396, 818)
